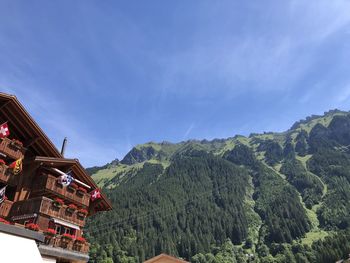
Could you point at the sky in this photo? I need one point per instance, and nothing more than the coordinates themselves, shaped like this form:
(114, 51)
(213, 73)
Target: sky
(113, 74)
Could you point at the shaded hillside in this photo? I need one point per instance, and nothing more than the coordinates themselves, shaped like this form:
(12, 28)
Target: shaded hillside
(273, 196)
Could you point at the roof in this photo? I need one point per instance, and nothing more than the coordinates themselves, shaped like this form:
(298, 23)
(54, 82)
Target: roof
(23, 126)
(164, 258)
(79, 172)
(39, 147)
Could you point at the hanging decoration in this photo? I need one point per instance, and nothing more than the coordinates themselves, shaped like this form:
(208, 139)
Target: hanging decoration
(2, 194)
(4, 130)
(95, 194)
(16, 166)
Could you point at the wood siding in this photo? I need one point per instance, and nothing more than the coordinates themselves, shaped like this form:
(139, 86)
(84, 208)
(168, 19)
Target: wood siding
(44, 205)
(47, 183)
(10, 149)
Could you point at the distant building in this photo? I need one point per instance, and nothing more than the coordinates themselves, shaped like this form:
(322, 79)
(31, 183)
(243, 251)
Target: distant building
(164, 258)
(44, 197)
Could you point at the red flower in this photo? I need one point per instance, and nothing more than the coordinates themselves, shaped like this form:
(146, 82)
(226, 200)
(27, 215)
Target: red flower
(59, 201)
(2, 161)
(83, 211)
(68, 236)
(32, 226)
(80, 239)
(4, 221)
(72, 206)
(50, 232)
(82, 189)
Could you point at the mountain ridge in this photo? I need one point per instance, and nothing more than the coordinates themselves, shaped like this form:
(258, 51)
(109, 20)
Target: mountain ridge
(294, 189)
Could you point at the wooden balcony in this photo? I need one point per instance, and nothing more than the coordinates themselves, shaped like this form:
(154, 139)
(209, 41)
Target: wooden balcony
(5, 208)
(6, 176)
(45, 206)
(47, 183)
(11, 149)
(64, 243)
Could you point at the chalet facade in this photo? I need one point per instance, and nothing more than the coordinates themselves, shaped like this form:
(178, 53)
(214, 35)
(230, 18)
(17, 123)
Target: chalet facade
(44, 192)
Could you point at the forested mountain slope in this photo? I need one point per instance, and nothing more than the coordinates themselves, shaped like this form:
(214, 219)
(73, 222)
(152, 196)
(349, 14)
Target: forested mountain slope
(272, 197)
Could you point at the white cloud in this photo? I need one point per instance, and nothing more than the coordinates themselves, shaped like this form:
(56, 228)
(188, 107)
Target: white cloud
(273, 59)
(188, 131)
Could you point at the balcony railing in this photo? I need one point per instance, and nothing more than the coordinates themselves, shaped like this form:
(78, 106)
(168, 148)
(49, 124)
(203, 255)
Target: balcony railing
(65, 243)
(46, 182)
(11, 149)
(44, 205)
(6, 176)
(5, 208)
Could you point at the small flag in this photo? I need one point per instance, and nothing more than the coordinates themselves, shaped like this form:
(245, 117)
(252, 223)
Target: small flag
(16, 166)
(4, 130)
(95, 194)
(66, 178)
(2, 194)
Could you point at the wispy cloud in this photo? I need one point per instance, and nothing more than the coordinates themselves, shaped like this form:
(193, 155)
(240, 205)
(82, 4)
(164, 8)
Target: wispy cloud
(108, 69)
(188, 131)
(84, 140)
(273, 59)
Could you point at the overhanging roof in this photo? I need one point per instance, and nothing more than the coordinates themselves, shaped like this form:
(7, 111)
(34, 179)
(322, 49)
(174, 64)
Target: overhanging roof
(39, 146)
(65, 223)
(78, 170)
(23, 126)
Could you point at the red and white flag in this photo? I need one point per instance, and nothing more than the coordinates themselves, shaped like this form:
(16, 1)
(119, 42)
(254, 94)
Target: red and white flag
(4, 130)
(95, 194)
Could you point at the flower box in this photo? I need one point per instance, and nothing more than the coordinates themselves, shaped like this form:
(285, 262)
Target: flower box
(82, 212)
(65, 240)
(32, 226)
(58, 202)
(72, 187)
(81, 191)
(50, 232)
(71, 208)
(4, 221)
(67, 237)
(80, 240)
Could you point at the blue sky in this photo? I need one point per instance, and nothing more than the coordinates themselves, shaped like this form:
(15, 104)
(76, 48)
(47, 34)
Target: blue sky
(113, 74)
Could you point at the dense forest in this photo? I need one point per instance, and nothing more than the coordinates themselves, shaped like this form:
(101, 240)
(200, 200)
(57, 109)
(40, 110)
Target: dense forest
(272, 197)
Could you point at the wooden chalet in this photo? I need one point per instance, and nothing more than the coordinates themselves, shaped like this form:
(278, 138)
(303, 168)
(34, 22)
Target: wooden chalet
(36, 199)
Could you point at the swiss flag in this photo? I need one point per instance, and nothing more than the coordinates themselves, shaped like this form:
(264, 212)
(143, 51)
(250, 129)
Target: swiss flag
(4, 130)
(96, 194)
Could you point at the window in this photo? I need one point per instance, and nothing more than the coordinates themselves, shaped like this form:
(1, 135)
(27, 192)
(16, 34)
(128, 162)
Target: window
(58, 229)
(73, 232)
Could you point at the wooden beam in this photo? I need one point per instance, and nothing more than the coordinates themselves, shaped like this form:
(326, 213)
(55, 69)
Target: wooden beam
(31, 141)
(15, 116)
(18, 131)
(5, 104)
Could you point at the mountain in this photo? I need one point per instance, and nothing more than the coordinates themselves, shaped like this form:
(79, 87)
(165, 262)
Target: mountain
(271, 197)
